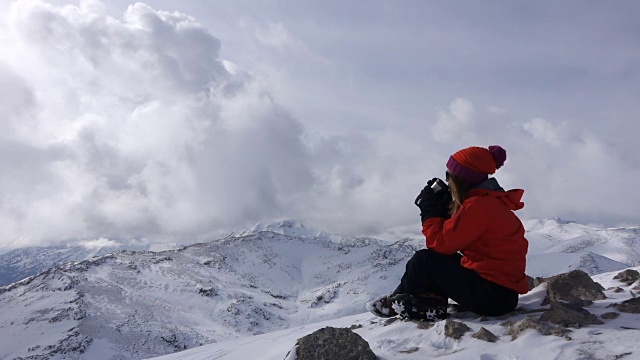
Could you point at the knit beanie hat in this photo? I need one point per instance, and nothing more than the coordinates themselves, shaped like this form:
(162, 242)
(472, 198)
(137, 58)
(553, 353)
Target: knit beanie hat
(475, 163)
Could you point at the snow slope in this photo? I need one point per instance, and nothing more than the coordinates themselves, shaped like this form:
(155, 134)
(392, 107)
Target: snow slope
(19, 264)
(142, 304)
(134, 305)
(615, 339)
(557, 246)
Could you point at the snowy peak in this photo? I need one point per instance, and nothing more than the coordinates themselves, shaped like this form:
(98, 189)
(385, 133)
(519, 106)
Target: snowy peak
(297, 229)
(557, 246)
(289, 227)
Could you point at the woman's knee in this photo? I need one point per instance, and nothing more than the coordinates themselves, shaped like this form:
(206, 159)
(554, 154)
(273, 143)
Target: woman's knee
(421, 257)
(424, 261)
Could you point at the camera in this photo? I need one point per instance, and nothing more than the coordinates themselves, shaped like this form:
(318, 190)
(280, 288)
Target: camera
(439, 185)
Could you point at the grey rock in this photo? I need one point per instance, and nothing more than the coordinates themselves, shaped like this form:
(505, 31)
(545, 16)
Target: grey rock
(515, 329)
(486, 335)
(331, 343)
(629, 306)
(575, 286)
(425, 325)
(455, 329)
(409, 351)
(569, 315)
(628, 276)
(535, 282)
(610, 315)
(531, 282)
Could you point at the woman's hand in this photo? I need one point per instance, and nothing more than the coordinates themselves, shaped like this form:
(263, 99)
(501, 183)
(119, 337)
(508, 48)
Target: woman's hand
(433, 204)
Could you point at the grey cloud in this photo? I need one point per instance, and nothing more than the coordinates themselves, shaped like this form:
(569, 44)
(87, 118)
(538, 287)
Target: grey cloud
(157, 138)
(135, 126)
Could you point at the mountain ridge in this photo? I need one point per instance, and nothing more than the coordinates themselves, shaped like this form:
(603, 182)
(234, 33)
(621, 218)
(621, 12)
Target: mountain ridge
(139, 304)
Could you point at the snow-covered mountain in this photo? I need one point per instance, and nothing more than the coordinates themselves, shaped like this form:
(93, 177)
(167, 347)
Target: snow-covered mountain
(142, 304)
(557, 246)
(21, 263)
(572, 245)
(134, 305)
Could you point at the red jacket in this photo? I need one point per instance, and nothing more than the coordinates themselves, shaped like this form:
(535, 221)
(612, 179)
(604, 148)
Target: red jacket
(488, 233)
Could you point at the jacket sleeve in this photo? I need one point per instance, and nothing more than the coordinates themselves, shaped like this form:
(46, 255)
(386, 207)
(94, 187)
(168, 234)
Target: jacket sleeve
(455, 234)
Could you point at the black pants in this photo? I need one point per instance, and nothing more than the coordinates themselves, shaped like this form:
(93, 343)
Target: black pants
(430, 272)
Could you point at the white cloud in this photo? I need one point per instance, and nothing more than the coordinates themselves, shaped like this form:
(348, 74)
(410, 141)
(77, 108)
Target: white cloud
(99, 243)
(457, 124)
(543, 130)
(135, 127)
(140, 129)
(274, 34)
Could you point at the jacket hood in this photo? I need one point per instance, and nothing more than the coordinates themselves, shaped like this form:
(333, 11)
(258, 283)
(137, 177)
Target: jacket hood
(490, 187)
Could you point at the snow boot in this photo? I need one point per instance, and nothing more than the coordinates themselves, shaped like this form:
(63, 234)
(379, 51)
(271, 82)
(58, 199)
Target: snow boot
(382, 307)
(411, 307)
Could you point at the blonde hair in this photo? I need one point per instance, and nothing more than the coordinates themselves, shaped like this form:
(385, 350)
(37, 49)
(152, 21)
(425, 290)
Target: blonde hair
(459, 189)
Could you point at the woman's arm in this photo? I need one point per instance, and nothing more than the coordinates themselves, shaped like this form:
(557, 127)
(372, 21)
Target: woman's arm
(467, 225)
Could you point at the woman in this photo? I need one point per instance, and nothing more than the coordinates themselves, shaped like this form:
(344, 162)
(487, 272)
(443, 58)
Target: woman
(476, 247)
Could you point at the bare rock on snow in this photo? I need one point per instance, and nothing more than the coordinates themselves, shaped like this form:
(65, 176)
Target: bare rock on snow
(535, 281)
(331, 343)
(610, 315)
(515, 329)
(455, 329)
(628, 276)
(486, 335)
(629, 306)
(576, 287)
(569, 315)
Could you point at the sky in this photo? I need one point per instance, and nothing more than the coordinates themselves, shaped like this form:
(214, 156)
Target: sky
(183, 121)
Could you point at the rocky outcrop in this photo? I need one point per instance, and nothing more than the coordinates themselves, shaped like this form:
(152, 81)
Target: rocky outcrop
(575, 287)
(455, 329)
(569, 315)
(629, 306)
(331, 343)
(628, 276)
(515, 329)
(485, 335)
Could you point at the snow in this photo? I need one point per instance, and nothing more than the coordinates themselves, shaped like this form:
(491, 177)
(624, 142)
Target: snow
(395, 339)
(254, 293)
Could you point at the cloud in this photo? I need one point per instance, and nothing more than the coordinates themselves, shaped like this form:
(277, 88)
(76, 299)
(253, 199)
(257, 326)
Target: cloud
(135, 128)
(566, 169)
(273, 34)
(544, 130)
(457, 123)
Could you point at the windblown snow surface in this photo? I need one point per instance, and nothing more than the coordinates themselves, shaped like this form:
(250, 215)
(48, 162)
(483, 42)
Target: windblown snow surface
(253, 293)
(393, 339)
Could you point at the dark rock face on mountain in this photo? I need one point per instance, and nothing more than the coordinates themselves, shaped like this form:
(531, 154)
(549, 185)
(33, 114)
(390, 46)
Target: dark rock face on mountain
(333, 343)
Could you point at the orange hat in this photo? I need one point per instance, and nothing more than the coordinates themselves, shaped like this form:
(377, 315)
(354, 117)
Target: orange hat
(475, 163)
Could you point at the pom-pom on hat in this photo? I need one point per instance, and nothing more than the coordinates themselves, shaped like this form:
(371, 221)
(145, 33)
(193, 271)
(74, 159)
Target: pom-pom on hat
(475, 163)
